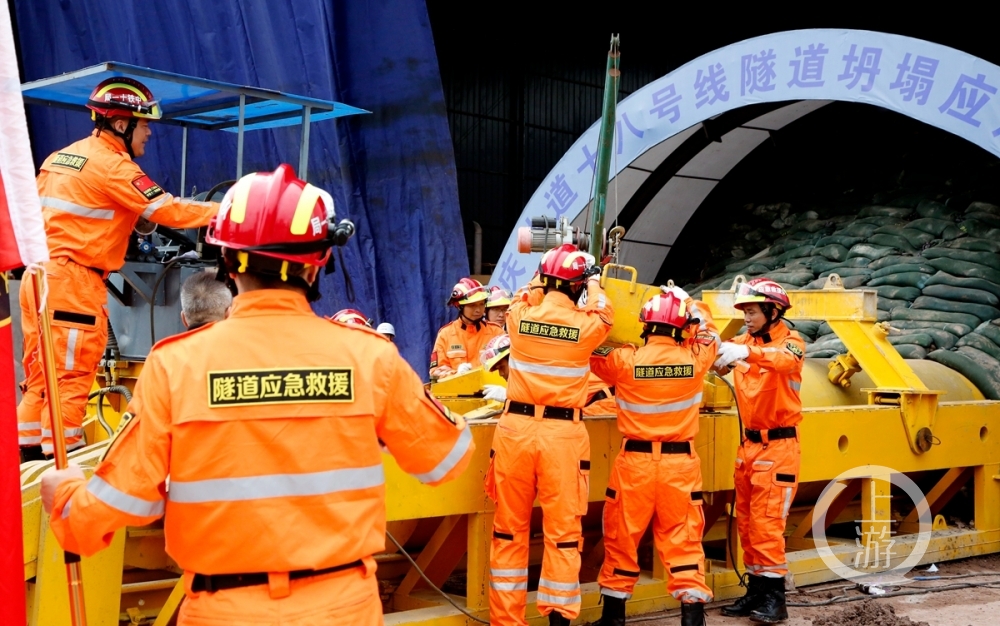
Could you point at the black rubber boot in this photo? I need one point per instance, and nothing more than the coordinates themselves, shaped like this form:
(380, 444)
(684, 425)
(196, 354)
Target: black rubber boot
(750, 601)
(772, 610)
(613, 613)
(31, 453)
(693, 614)
(556, 619)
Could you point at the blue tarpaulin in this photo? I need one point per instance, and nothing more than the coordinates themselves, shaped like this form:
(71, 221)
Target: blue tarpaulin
(391, 172)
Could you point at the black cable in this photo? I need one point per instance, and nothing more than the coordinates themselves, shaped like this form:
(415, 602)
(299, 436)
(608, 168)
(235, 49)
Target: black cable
(348, 285)
(215, 188)
(152, 300)
(732, 510)
(99, 394)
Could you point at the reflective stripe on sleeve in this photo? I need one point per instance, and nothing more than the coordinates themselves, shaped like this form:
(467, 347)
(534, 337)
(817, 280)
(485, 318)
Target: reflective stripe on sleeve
(122, 501)
(77, 209)
(601, 301)
(454, 456)
(152, 208)
(648, 409)
(275, 485)
(549, 370)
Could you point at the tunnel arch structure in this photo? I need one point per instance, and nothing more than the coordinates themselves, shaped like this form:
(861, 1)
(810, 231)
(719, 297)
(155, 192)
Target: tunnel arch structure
(679, 136)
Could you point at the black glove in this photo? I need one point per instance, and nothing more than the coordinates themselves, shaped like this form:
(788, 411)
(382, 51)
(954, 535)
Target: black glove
(593, 270)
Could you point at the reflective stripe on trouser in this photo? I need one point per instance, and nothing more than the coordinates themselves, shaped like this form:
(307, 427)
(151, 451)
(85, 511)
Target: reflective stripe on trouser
(766, 481)
(643, 488)
(76, 302)
(542, 455)
(347, 598)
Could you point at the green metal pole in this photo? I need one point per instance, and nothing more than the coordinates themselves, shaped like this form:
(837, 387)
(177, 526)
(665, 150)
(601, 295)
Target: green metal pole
(604, 147)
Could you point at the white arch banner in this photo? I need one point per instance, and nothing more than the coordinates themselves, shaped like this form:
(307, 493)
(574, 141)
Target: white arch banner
(937, 85)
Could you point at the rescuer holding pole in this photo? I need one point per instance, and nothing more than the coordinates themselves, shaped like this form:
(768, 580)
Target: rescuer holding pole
(270, 438)
(541, 446)
(458, 344)
(767, 462)
(92, 195)
(657, 474)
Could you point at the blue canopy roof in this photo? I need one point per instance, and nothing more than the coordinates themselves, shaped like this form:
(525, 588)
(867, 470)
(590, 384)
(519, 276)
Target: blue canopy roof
(189, 101)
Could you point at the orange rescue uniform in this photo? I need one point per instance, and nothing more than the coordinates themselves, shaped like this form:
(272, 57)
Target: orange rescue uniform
(544, 454)
(273, 458)
(657, 475)
(92, 195)
(767, 472)
(600, 397)
(459, 342)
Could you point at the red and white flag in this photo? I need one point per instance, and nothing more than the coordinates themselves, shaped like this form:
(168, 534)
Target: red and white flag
(22, 241)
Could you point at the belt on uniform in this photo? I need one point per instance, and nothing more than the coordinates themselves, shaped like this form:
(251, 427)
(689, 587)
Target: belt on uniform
(601, 395)
(218, 582)
(787, 432)
(550, 412)
(666, 447)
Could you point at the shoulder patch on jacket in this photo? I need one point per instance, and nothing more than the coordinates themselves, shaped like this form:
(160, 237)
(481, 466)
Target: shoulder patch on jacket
(794, 349)
(434, 359)
(145, 185)
(72, 161)
(603, 350)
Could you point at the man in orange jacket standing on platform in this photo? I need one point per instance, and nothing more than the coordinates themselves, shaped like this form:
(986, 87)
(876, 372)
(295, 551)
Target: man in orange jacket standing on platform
(270, 438)
(92, 195)
(767, 463)
(458, 344)
(657, 474)
(541, 448)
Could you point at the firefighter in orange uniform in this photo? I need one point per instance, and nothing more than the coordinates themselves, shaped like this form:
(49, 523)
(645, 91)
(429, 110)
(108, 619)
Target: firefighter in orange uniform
(270, 438)
(92, 195)
(497, 305)
(767, 463)
(541, 448)
(458, 344)
(657, 475)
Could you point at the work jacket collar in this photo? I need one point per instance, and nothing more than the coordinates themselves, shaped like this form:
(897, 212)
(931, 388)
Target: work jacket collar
(270, 302)
(778, 332)
(110, 141)
(558, 298)
(661, 340)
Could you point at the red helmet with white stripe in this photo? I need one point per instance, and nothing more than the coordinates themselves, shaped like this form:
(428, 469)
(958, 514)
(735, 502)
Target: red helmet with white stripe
(565, 262)
(666, 309)
(351, 316)
(761, 291)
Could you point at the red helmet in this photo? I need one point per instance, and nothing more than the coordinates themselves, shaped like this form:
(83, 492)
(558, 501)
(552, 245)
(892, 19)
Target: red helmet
(498, 297)
(123, 97)
(467, 291)
(351, 316)
(761, 290)
(566, 262)
(277, 215)
(664, 308)
(494, 351)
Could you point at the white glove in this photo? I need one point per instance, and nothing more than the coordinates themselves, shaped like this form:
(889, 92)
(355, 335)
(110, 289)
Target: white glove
(464, 368)
(679, 293)
(495, 392)
(590, 259)
(729, 352)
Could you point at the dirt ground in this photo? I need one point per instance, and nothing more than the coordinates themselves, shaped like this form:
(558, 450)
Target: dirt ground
(969, 606)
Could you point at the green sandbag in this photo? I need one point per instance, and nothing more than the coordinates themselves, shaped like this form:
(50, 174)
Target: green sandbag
(840, 240)
(896, 259)
(903, 279)
(894, 292)
(806, 328)
(989, 259)
(965, 269)
(797, 279)
(917, 238)
(858, 230)
(934, 210)
(819, 283)
(881, 221)
(952, 232)
(831, 344)
(955, 330)
(755, 270)
(869, 251)
(930, 315)
(981, 343)
(902, 268)
(923, 340)
(976, 244)
(911, 351)
(990, 331)
(929, 225)
(983, 207)
(805, 262)
(942, 339)
(943, 278)
(991, 220)
(833, 252)
(811, 226)
(885, 211)
(892, 241)
(824, 354)
(843, 272)
(969, 368)
(962, 294)
(824, 329)
(853, 282)
(982, 311)
(882, 316)
(975, 228)
(739, 265)
(795, 253)
(887, 304)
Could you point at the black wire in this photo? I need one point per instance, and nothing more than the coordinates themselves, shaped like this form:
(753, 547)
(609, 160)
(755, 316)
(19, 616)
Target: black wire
(732, 510)
(348, 285)
(152, 300)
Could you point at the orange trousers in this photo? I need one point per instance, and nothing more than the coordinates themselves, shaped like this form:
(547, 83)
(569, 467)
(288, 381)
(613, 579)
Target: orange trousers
(77, 303)
(767, 477)
(664, 488)
(348, 598)
(551, 459)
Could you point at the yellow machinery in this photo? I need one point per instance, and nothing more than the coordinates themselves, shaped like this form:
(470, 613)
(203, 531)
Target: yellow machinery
(867, 408)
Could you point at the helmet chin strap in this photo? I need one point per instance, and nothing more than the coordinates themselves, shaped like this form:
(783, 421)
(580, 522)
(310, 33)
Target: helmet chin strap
(465, 320)
(124, 136)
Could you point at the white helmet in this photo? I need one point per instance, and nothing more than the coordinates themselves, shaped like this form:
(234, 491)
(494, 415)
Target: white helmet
(386, 329)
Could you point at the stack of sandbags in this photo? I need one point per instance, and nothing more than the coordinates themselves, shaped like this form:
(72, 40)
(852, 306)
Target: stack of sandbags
(976, 357)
